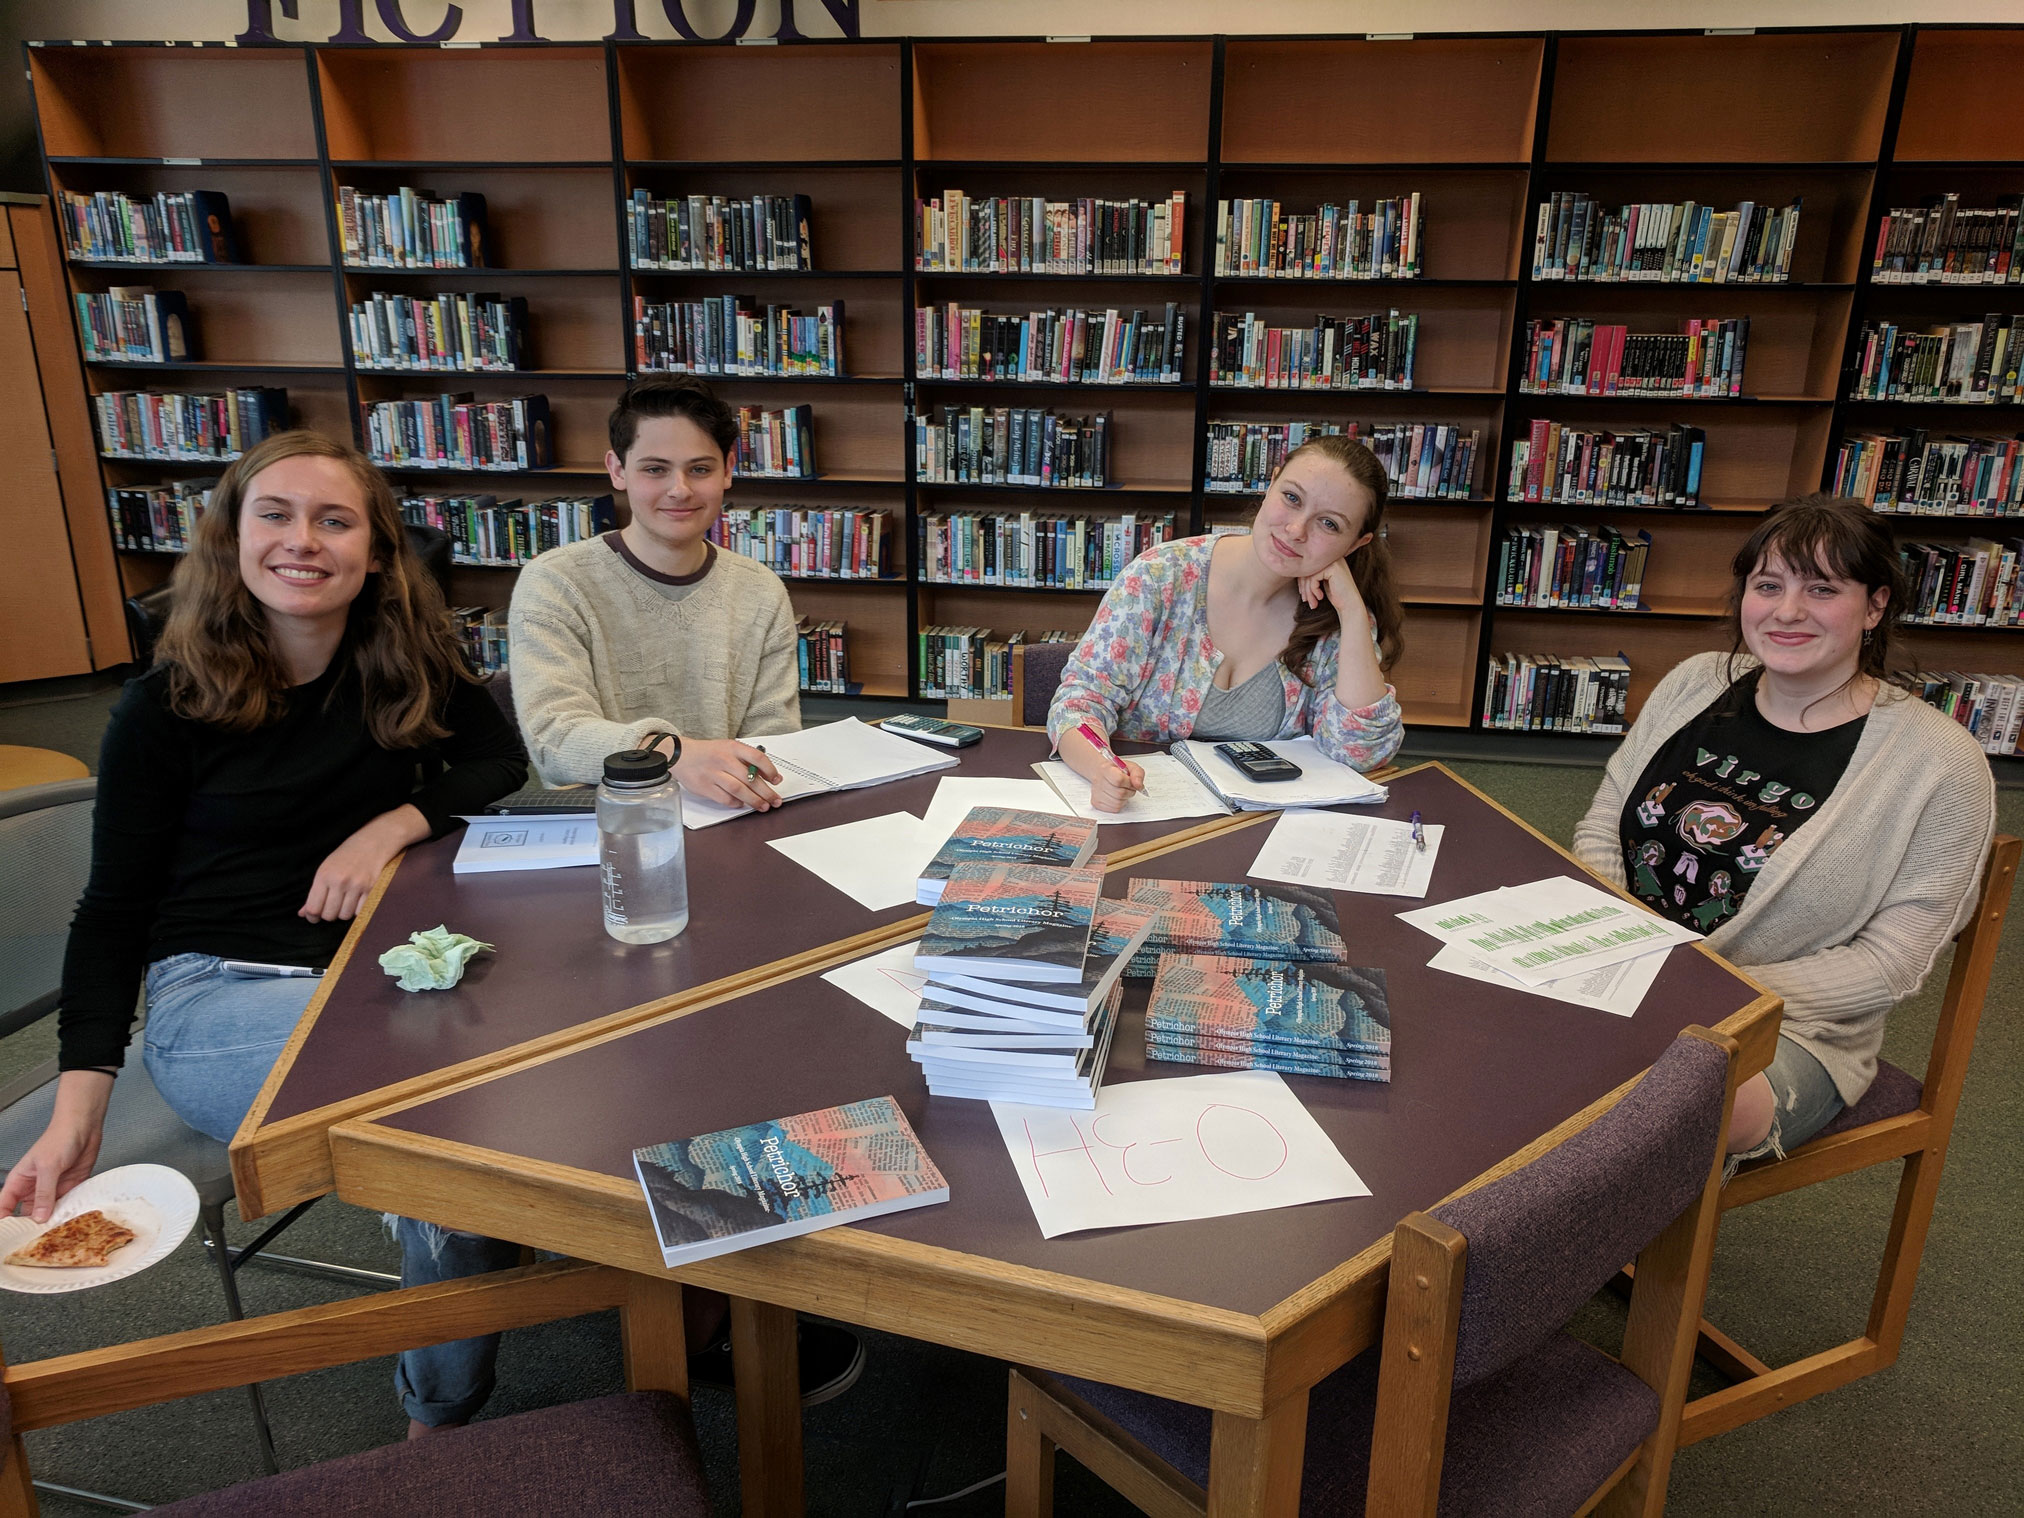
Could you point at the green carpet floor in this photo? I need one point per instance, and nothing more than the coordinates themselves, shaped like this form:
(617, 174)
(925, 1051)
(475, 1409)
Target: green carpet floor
(1938, 1433)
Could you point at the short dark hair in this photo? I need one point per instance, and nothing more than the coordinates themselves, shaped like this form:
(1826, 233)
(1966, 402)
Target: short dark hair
(1837, 538)
(671, 395)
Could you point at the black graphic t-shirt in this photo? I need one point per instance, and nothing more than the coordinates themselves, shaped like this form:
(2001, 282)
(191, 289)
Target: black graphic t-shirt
(1718, 798)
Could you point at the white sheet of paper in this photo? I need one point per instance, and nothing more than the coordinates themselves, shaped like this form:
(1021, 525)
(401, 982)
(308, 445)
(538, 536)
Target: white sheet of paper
(1198, 1146)
(875, 861)
(1344, 853)
(887, 982)
(1548, 929)
(560, 842)
(955, 795)
(1618, 989)
(1171, 791)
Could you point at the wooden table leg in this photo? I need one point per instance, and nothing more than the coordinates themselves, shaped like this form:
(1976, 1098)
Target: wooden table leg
(1254, 1463)
(767, 1362)
(650, 1331)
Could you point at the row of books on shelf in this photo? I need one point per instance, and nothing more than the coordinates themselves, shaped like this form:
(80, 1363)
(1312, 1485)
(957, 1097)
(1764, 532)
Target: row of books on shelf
(1576, 237)
(1943, 242)
(1920, 474)
(1372, 352)
(482, 631)
(1558, 567)
(1577, 356)
(735, 335)
(776, 444)
(457, 332)
(819, 651)
(458, 431)
(1989, 706)
(410, 229)
(1556, 693)
(1034, 550)
(1012, 445)
(157, 518)
(956, 232)
(135, 324)
(1423, 460)
(186, 425)
(1262, 239)
(169, 227)
(1971, 584)
(496, 534)
(719, 233)
(1968, 363)
(972, 663)
(836, 543)
(1067, 345)
(1627, 466)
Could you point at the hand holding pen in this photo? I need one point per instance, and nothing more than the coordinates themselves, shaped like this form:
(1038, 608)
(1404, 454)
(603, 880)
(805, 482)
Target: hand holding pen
(1115, 780)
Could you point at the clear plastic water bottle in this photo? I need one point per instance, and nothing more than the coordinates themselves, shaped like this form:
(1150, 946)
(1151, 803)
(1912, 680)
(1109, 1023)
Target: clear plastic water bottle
(641, 853)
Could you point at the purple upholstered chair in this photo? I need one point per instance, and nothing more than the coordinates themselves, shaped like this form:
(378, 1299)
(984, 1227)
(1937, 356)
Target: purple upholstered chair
(1036, 670)
(631, 1455)
(1480, 1403)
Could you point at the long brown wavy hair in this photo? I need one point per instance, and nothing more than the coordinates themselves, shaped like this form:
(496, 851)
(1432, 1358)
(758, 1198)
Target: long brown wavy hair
(1844, 540)
(222, 665)
(1369, 566)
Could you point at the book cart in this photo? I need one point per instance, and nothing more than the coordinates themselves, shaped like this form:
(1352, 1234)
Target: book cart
(1483, 128)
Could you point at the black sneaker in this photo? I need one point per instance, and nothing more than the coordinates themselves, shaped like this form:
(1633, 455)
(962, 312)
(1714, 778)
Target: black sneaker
(832, 1358)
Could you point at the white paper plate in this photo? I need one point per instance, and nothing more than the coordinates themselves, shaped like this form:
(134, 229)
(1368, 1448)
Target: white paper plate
(157, 1203)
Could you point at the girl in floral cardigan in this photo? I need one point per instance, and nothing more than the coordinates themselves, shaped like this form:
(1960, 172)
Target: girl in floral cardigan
(1284, 632)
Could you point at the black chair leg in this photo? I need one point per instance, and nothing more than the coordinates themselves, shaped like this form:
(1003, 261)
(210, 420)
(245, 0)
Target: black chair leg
(214, 1235)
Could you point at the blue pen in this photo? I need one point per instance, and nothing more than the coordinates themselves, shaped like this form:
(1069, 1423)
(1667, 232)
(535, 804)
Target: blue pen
(1419, 834)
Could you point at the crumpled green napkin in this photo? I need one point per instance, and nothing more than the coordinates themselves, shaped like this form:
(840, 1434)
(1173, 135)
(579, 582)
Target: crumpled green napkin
(430, 961)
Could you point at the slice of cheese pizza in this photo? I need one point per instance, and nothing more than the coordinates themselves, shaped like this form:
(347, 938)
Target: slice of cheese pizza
(87, 1239)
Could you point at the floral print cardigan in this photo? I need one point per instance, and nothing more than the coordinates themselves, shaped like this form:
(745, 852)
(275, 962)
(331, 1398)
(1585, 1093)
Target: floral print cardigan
(1141, 669)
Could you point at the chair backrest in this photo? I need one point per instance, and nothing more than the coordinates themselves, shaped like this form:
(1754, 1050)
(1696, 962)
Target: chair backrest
(1968, 981)
(1037, 671)
(148, 612)
(45, 856)
(1545, 1238)
(499, 685)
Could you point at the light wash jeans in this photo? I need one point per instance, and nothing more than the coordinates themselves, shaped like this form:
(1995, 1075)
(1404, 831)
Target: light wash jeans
(1804, 1097)
(210, 1040)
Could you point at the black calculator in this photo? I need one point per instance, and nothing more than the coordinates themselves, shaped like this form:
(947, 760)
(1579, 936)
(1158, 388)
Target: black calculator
(935, 730)
(1257, 762)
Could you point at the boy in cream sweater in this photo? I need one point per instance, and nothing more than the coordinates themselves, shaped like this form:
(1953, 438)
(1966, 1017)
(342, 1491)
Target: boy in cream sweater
(650, 628)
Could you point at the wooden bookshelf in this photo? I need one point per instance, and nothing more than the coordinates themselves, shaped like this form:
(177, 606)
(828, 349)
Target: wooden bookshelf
(1483, 128)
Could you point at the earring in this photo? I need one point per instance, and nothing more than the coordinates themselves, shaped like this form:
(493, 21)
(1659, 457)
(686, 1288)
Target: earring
(1868, 633)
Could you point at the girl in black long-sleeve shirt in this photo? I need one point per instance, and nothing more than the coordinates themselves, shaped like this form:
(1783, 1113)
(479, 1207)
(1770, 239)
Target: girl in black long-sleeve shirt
(253, 785)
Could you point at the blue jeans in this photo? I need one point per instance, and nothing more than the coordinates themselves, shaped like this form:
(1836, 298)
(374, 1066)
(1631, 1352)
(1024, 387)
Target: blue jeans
(1804, 1101)
(210, 1040)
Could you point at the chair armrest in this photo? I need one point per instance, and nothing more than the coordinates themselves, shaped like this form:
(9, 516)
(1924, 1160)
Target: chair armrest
(66, 1388)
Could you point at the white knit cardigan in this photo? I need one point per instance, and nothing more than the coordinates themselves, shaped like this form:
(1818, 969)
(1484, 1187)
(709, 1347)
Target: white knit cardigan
(1850, 912)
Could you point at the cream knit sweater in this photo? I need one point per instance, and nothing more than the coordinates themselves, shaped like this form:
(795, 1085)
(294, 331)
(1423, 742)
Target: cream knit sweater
(1852, 910)
(600, 658)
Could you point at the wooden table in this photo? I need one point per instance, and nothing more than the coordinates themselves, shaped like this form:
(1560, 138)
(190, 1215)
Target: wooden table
(557, 978)
(36, 766)
(1242, 1315)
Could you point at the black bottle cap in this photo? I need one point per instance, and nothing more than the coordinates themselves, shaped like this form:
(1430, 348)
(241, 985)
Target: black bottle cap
(638, 766)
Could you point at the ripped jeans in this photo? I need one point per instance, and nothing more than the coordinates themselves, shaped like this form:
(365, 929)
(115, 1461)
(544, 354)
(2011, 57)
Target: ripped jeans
(1804, 1101)
(211, 1038)
(446, 1383)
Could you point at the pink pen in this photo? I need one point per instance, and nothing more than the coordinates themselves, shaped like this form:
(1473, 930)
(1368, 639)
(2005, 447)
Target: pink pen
(1096, 742)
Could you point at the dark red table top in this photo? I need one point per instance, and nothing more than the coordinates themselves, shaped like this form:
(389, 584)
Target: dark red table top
(1479, 1072)
(555, 966)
